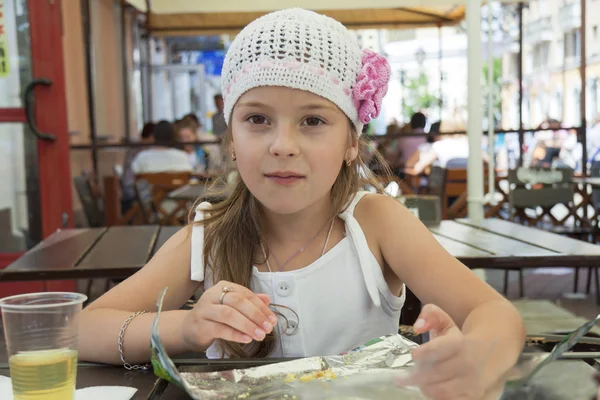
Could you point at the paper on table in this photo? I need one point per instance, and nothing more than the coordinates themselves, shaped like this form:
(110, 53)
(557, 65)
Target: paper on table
(89, 393)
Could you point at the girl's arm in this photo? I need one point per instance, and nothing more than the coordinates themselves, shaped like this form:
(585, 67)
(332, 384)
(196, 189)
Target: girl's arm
(414, 255)
(425, 160)
(241, 316)
(101, 322)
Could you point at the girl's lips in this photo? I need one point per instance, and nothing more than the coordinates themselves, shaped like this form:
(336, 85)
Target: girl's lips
(284, 180)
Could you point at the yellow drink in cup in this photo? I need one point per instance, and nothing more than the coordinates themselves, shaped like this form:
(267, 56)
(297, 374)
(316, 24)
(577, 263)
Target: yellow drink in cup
(41, 331)
(44, 374)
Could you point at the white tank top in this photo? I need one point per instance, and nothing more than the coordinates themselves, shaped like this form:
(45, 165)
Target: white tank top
(340, 301)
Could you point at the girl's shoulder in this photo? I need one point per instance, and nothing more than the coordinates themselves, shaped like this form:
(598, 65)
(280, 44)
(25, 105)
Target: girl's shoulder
(377, 212)
(371, 202)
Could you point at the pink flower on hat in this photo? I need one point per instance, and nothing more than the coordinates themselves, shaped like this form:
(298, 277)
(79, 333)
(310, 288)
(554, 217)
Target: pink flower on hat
(371, 85)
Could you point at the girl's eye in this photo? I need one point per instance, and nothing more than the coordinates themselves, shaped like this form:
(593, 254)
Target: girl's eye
(257, 119)
(313, 121)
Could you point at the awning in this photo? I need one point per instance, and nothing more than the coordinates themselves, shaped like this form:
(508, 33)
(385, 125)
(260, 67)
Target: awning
(203, 17)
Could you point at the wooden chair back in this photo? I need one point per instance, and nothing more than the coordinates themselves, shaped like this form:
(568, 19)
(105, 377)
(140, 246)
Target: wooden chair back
(90, 196)
(162, 184)
(450, 185)
(531, 188)
(540, 187)
(166, 180)
(456, 182)
(145, 201)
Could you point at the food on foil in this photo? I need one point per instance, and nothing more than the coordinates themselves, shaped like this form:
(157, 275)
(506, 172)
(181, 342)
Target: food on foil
(372, 367)
(305, 378)
(327, 374)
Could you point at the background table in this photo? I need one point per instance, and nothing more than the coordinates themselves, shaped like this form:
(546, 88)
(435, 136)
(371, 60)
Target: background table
(115, 252)
(118, 252)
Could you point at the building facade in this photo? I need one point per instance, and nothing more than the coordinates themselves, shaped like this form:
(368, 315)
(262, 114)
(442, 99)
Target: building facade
(551, 62)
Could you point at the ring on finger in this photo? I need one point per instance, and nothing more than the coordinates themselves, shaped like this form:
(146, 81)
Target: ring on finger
(224, 291)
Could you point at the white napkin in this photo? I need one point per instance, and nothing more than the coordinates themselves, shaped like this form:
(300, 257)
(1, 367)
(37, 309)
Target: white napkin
(89, 393)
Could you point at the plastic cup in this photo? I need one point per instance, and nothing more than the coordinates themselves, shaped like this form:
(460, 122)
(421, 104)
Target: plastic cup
(41, 331)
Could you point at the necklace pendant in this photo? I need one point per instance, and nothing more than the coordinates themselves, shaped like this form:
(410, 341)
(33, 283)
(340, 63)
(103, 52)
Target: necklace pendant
(301, 250)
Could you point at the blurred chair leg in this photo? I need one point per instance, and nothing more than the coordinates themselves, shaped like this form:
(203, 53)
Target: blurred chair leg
(521, 287)
(588, 284)
(505, 288)
(88, 290)
(597, 285)
(107, 287)
(576, 280)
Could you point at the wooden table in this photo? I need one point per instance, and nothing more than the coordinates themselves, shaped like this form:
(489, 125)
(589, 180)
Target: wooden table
(498, 244)
(561, 380)
(115, 252)
(118, 252)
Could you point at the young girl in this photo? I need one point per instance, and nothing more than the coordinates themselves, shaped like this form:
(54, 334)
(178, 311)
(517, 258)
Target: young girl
(298, 261)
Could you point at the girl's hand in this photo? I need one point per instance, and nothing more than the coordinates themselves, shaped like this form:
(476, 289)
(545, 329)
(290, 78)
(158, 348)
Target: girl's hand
(242, 317)
(449, 365)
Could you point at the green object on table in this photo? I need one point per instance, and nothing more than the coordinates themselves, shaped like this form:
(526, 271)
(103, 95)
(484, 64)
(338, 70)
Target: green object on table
(161, 362)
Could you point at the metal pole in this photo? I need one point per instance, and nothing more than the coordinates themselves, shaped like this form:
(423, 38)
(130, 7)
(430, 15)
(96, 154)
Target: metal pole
(402, 102)
(520, 79)
(475, 112)
(490, 115)
(582, 72)
(86, 19)
(125, 65)
(148, 66)
(440, 101)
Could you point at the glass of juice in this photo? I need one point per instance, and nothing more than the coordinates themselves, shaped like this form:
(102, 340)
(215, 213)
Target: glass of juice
(41, 331)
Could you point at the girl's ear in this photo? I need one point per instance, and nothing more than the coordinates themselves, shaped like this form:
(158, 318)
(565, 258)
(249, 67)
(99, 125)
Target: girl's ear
(231, 149)
(352, 151)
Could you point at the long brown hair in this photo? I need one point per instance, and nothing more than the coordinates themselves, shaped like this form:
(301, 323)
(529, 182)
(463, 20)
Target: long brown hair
(234, 231)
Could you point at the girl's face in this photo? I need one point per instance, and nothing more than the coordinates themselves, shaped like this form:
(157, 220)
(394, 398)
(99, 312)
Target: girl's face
(290, 145)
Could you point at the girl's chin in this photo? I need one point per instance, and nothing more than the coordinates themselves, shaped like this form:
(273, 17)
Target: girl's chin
(284, 206)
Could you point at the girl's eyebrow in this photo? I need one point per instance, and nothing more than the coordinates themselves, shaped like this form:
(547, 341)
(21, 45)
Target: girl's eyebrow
(255, 104)
(307, 107)
(319, 106)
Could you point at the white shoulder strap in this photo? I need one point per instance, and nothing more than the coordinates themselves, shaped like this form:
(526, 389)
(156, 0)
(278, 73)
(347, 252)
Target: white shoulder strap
(197, 243)
(358, 240)
(357, 197)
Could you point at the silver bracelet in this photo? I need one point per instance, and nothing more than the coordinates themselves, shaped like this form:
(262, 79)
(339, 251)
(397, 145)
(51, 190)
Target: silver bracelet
(128, 366)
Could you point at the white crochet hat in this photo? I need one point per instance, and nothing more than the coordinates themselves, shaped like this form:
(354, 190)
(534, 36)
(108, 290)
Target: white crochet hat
(299, 49)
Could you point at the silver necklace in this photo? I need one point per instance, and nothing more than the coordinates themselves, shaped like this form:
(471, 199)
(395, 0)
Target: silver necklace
(281, 266)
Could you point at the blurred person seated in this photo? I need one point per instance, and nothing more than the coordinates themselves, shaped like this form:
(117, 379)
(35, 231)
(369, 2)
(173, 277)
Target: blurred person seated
(372, 153)
(418, 122)
(206, 158)
(162, 157)
(128, 176)
(451, 151)
(213, 152)
(219, 125)
(186, 132)
(192, 118)
(593, 141)
(401, 149)
(549, 142)
(435, 128)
